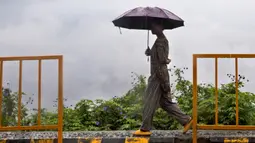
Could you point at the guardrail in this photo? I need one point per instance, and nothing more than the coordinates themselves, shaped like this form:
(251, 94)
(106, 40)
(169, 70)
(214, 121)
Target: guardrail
(59, 126)
(216, 126)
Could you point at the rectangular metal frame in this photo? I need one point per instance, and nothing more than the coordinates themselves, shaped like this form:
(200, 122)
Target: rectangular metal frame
(59, 126)
(216, 126)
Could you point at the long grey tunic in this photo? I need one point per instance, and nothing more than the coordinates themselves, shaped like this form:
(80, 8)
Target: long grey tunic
(156, 94)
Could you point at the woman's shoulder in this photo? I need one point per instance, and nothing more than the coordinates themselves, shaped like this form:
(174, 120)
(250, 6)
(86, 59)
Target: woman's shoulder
(161, 42)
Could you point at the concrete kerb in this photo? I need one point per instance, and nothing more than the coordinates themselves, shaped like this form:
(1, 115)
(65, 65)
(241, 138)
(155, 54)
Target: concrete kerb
(125, 137)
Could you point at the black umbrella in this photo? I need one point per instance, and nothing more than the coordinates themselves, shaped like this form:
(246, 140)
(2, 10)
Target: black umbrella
(141, 18)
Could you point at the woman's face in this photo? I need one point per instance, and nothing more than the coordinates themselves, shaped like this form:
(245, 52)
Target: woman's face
(155, 29)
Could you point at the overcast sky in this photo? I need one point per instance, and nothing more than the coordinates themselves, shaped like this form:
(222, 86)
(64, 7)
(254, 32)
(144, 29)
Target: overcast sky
(98, 60)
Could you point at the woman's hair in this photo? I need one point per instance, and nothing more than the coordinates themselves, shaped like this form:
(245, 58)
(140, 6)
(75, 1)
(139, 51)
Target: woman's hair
(158, 22)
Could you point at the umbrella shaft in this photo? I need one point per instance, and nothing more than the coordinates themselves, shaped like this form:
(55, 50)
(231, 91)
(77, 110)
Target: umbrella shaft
(148, 38)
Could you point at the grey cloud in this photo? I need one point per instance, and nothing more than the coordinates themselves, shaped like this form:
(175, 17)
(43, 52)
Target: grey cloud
(11, 12)
(98, 59)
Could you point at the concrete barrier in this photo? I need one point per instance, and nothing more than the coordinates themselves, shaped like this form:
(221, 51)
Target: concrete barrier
(126, 137)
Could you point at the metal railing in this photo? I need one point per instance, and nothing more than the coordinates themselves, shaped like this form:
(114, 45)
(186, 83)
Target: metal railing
(39, 126)
(216, 126)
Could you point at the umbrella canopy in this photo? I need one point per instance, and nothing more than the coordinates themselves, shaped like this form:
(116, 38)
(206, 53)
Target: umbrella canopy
(142, 17)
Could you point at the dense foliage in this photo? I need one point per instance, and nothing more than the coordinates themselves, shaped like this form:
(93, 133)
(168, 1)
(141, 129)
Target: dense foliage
(125, 112)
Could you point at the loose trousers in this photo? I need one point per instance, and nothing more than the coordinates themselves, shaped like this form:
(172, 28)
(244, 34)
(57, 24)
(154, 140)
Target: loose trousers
(155, 97)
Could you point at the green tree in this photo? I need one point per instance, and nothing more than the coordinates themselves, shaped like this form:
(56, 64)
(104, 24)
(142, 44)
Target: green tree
(10, 108)
(206, 100)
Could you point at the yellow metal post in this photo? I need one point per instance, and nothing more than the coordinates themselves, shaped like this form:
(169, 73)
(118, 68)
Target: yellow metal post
(1, 93)
(236, 69)
(194, 134)
(60, 100)
(216, 91)
(39, 91)
(20, 93)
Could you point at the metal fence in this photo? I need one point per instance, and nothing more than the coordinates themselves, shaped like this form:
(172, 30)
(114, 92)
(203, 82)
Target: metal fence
(39, 126)
(216, 126)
